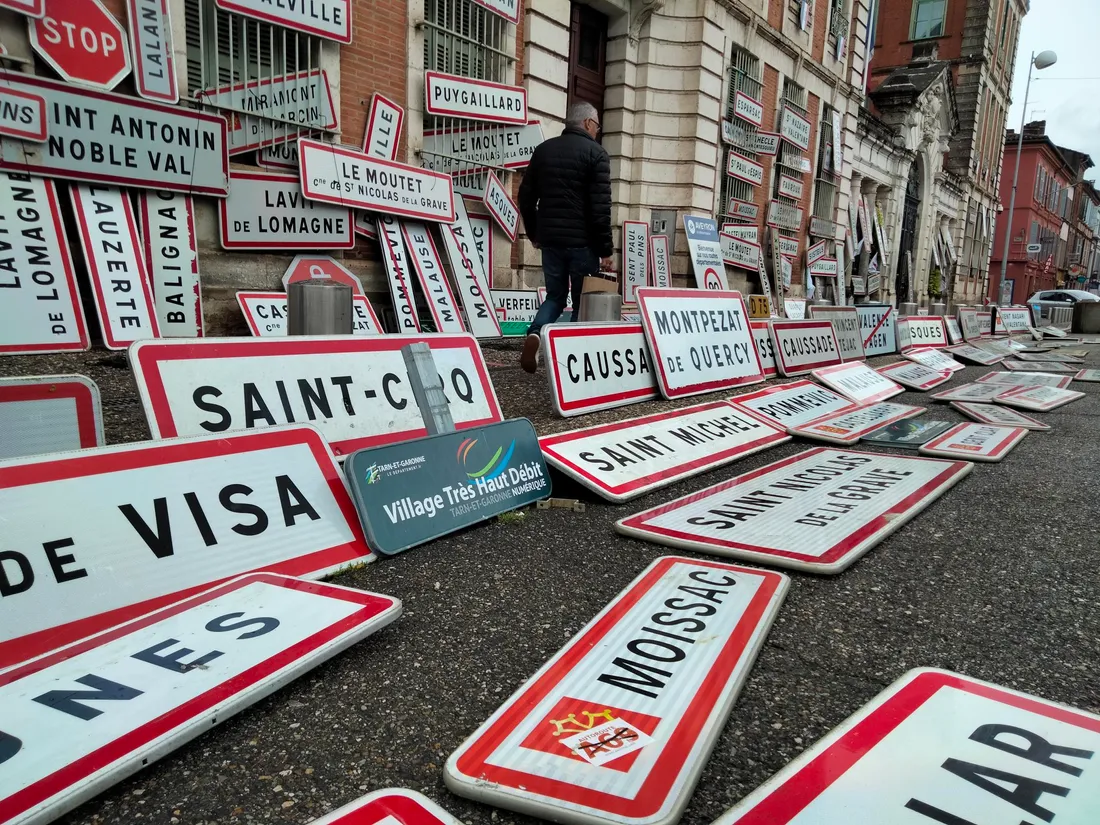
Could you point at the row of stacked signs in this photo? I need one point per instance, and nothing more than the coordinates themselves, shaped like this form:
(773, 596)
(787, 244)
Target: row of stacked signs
(617, 726)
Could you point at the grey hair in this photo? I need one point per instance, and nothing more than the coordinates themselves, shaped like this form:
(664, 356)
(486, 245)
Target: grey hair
(580, 112)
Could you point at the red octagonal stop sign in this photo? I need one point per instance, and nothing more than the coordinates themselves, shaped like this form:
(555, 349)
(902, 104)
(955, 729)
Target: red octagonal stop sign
(306, 267)
(83, 42)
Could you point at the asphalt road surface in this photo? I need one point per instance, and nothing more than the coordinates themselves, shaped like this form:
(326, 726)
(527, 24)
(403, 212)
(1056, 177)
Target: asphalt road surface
(997, 580)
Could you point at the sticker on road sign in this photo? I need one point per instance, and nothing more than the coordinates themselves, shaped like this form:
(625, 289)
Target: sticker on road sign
(908, 434)
(412, 492)
(267, 316)
(147, 524)
(48, 414)
(1038, 399)
(85, 145)
(1037, 366)
(321, 268)
(469, 273)
(1001, 416)
(970, 392)
(267, 210)
(354, 389)
(594, 367)
(1087, 375)
(433, 280)
(116, 264)
(171, 251)
(41, 311)
(169, 677)
(878, 325)
(22, 115)
(816, 511)
(150, 28)
(858, 382)
(618, 725)
(954, 333)
(501, 206)
(925, 331)
(1031, 379)
(625, 459)
(803, 346)
(700, 340)
(933, 359)
(975, 442)
(793, 404)
(845, 321)
(383, 132)
(765, 347)
(976, 355)
(850, 426)
(330, 19)
(915, 376)
(939, 747)
(448, 95)
(392, 806)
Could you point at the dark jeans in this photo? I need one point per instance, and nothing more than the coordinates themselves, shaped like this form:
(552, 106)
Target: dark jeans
(564, 270)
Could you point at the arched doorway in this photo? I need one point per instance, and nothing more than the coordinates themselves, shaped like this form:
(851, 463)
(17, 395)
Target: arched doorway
(908, 235)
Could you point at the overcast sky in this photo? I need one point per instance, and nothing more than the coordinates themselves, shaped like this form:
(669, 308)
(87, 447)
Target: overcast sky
(1071, 108)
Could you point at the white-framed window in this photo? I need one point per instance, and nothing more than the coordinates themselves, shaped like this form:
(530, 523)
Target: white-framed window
(745, 76)
(928, 18)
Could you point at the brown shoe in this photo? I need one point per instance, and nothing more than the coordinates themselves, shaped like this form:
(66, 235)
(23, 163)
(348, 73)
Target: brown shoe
(529, 360)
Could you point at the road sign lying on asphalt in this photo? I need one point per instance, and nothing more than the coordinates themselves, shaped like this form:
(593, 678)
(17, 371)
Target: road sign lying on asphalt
(765, 347)
(1087, 375)
(1052, 332)
(392, 806)
(624, 459)
(354, 389)
(149, 523)
(1038, 399)
(802, 346)
(997, 347)
(700, 340)
(267, 315)
(975, 442)
(414, 491)
(817, 511)
(858, 382)
(1001, 416)
(594, 367)
(1036, 379)
(878, 325)
(161, 680)
(915, 376)
(933, 359)
(922, 331)
(970, 392)
(845, 321)
(919, 751)
(49, 414)
(976, 355)
(618, 725)
(1066, 355)
(908, 434)
(850, 426)
(1013, 365)
(794, 403)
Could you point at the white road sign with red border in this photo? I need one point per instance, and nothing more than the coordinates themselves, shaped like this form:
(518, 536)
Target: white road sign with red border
(803, 346)
(170, 676)
(765, 347)
(448, 95)
(31, 8)
(700, 340)
(970, 392)
(658, 255)
(22, 115)
(383, 132)
(82, 42)
(1001, 416)
(625, 459)
(858, 382)
(147, 524)
(433, 280)
(353, 388)
(49, 414)
(933, 359)
(1038, 399)
(975, 442)
(794, 403)
(1016, 320)
(267, 315)
(501, 206)
(330, 19)
(321, 268)
(398, 273)
(392, 806)
(923, 331)
(593, 367)
(915, 376)
(171, 251)
(1090, 376)
(586, 741)
(635, 246)
(921, 752)
(878, 322)
(816, 511)
(267, 210)
(846, 325)
(1031, 379)
(968, 323)
(150, 26)
(849, 426)
(976, 355)
(954, 332)
(469, 274)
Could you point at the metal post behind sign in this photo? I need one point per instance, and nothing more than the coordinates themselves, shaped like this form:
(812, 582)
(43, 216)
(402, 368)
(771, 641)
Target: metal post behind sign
(427, 388)
(319, 307)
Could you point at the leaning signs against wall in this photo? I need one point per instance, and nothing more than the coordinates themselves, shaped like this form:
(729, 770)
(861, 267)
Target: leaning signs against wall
(635, 257)
(706, 253)
(877, 323)
(597, 367)
(267, 315)
(49, 414)
(171, 250)
(266, 210)
(468, 269)
(846, 325)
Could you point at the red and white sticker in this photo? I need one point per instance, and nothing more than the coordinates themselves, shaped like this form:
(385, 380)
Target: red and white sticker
(398, 273)
(970, 392)
(922, 331)
(171, 250)
(933, 359)
(803, 346)
(793, 404)
(353, 388)
(617, 726)
(937, 747)
(433, 280)
(321, 268)
(765, 346)
(915, 376)
(501, 206)
(597, 367)
(169, 677)
(817, 511)
(49, 414)
(267, 315)
(22, 115)
(116, 264)
(448, 95)
(975, 442)
(1001, 416)
(383, 132)
(267, 210)
(701, 340)
(1038, 399)
(849, 426)
(392, 806)
(147, 524)
(1034, 379)
(858, 382)
(625, 459)
(976, 355)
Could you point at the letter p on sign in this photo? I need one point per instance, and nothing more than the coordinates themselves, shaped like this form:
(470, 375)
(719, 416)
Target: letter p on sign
(83, 42)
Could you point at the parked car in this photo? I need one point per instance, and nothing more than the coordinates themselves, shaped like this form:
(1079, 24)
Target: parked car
(1061, 297)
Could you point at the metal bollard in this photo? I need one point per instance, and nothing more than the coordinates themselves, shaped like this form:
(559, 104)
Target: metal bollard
(821, 302)
(319, 307)
(601, 306)
(907, 308)
(937, 308)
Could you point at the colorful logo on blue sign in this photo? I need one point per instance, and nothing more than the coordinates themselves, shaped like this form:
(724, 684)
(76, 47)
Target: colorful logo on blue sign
(496, 465)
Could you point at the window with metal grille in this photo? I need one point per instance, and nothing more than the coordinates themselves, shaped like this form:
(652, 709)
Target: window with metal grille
(265, 77)
(796, 13)
(790, 158)
(838, 25)
(744, 77)
(827, 180)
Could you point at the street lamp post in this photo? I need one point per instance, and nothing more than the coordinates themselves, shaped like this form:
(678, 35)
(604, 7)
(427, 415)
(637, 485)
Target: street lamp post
(1040, 61)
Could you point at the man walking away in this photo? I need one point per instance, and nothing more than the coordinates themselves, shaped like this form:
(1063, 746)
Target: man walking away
(565, 200)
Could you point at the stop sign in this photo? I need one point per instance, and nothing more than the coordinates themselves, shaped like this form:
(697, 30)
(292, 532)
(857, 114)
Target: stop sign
(82, 42)
(304, 268)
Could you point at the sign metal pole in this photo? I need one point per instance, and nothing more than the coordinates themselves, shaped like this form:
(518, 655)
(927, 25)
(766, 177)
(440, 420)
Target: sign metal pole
(427, 388)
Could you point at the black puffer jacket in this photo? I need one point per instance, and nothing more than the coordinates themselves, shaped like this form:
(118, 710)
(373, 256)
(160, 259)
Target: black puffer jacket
(565, 197)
